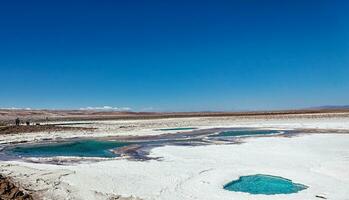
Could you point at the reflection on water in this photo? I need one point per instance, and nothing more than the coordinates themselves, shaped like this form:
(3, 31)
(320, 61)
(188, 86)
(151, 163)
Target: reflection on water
(244, 132)
(176, 129)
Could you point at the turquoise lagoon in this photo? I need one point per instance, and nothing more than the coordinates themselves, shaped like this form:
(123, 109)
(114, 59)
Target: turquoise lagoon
(79, 148)
(102, 148)
(264, 184)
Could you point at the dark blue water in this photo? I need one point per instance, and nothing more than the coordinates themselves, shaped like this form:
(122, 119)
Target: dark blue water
(244, 132)
(264, 184)
(81, 148)
(176, 129)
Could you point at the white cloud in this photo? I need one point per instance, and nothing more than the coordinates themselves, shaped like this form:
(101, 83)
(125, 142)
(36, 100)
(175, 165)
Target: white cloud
(15, 108)
(106, 108)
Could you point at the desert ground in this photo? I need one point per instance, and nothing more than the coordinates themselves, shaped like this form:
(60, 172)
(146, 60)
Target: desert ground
(316, 156)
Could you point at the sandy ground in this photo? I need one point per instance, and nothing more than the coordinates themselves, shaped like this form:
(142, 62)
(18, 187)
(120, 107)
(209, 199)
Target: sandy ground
(319, 161)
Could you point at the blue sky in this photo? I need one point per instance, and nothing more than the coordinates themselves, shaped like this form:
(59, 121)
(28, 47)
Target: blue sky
(174, 55)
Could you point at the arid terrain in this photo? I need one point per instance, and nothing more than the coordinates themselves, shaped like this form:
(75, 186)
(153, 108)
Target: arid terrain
(8, 115)
(316, 156)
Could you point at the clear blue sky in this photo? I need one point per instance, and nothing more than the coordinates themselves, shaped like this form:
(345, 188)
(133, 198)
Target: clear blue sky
(174, 55)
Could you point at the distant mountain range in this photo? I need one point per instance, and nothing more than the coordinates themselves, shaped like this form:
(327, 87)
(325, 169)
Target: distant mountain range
(331, 107)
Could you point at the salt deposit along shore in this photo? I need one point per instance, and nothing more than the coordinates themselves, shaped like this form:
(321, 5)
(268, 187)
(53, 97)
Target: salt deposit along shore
(319, 161)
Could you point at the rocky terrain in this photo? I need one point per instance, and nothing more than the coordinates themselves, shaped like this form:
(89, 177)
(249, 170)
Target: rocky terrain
(10, 191)
(37, 128)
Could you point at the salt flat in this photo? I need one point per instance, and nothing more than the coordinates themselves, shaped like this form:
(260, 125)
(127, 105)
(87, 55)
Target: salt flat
(148, 127)
(319, 161)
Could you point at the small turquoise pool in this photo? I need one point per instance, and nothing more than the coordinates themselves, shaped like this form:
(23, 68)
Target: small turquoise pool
(80, 148)
(264, 184)
(244, 132)
(176, 129)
